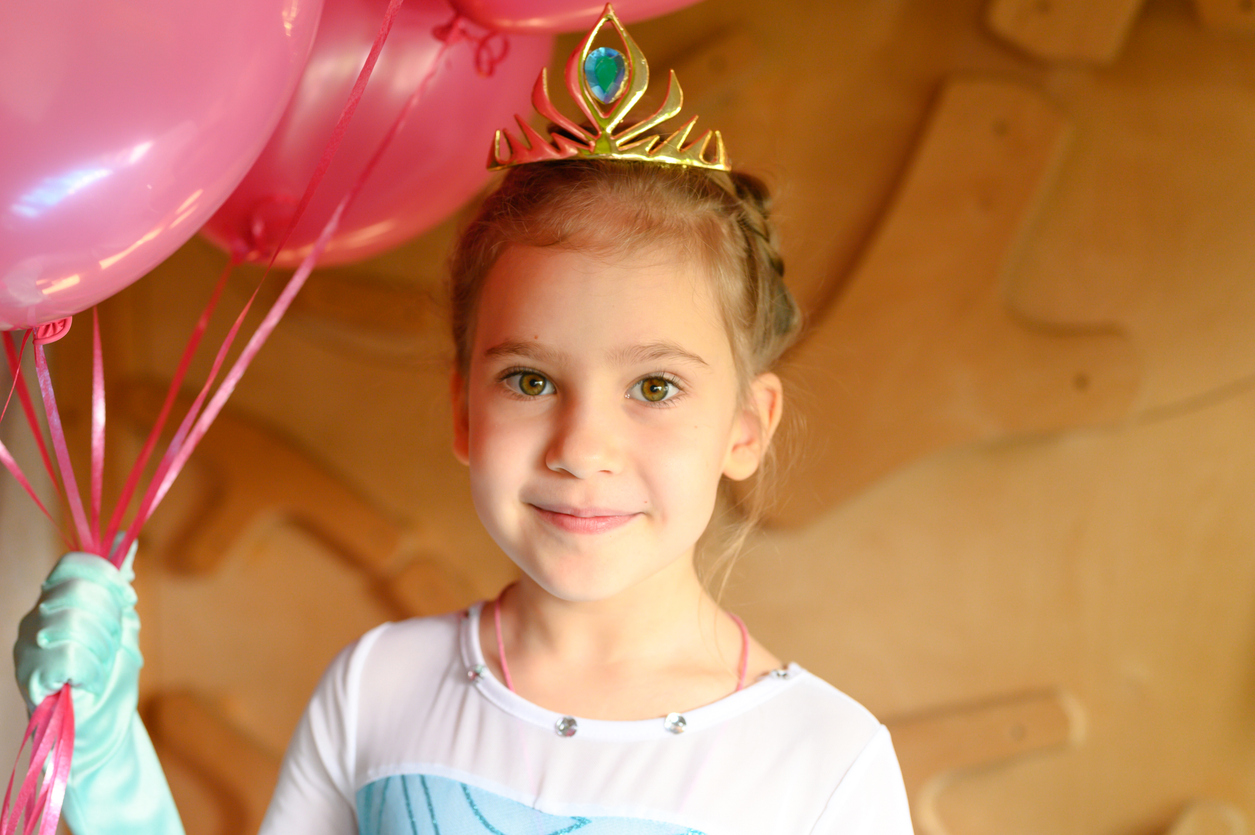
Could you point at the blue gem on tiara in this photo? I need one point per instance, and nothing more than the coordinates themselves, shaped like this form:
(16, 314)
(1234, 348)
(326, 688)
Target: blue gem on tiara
(605, 70)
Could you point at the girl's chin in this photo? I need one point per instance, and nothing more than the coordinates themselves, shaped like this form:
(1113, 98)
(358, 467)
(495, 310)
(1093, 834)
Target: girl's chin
(573, 590)
(590, 582)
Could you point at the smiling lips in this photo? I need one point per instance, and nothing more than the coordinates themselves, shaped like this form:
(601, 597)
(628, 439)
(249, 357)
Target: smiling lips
(585, 519)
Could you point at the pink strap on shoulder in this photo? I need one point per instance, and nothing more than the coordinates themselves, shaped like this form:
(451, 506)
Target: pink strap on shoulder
(743, 667)
(496, 622)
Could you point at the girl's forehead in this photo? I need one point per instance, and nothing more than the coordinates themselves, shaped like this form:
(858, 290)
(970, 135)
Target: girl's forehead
(552, 278)
(553, 294)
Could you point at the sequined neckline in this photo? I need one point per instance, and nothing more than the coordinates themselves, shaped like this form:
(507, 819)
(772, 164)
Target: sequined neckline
(476, 674)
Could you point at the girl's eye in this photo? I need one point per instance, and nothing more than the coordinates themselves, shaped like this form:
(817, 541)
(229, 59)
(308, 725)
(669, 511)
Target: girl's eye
(529, 383)
(654, 390)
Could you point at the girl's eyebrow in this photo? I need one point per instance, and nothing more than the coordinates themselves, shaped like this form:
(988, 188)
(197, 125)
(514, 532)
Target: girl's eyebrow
(650, 352)
(527, 350)
(655, 352)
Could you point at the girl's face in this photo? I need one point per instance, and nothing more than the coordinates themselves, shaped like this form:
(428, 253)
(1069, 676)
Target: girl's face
(598, 414)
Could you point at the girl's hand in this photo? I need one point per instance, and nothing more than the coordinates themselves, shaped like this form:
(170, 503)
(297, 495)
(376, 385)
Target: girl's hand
(83, 631)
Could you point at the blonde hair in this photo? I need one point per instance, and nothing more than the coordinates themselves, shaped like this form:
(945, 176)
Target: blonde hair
(723, 219)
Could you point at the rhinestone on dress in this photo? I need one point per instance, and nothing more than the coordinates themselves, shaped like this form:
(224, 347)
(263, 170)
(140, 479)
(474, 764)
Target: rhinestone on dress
(474, 674)
(605, 70)
(675, 722)
(566, 726)
(783, 672)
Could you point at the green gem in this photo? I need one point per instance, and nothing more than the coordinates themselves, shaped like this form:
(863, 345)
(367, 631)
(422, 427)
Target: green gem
(605, 70)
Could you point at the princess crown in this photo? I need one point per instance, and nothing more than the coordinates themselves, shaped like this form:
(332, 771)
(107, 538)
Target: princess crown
(598, 77)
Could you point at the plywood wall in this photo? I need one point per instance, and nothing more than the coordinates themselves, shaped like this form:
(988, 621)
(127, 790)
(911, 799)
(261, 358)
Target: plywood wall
(1017, 519)
(26, 546)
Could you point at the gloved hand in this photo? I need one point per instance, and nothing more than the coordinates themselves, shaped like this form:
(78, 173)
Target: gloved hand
(85, 631)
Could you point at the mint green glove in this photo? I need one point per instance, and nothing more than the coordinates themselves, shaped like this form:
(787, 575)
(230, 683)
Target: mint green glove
(85, 631)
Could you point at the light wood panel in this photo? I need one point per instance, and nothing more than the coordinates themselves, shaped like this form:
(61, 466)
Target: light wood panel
(1212, 817)
(1089, 31)
(1147, 226)
(1236, 16)
(243, 469)
(935, 746)
(27, 549)
(921, 351)
(221, 779)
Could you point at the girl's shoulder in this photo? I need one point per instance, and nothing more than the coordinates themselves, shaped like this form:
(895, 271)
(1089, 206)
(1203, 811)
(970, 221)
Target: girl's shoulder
(431, 639)
(824, 713)
(422, 647)
(826, 696)
(429, 631)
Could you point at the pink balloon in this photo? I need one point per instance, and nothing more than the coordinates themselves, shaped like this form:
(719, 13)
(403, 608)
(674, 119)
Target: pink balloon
(124, 125)
(434, 164)
(536, 16)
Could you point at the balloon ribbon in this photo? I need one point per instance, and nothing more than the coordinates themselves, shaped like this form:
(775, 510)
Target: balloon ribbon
(39, 798)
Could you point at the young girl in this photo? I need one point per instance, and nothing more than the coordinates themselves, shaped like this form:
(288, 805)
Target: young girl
(616, 315)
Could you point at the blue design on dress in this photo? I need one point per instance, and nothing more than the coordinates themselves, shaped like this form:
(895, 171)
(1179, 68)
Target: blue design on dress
(450, 807)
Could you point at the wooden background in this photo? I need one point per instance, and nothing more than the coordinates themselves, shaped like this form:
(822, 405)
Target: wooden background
(1016, 517)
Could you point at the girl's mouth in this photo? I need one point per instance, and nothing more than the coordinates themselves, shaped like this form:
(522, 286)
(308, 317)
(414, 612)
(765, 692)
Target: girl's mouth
(583, 520)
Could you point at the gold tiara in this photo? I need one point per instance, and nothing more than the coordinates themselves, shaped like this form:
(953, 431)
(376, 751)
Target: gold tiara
(606, 76)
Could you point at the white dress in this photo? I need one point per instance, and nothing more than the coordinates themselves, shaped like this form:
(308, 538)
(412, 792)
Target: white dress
(408, 734)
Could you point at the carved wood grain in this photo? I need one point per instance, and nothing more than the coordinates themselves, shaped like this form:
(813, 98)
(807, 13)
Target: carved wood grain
(236, 773)
(247, 470)
(921, 352)
(935, 747)
(252, 470)
(1082, 31)
(1227, 15)
(1210, 817)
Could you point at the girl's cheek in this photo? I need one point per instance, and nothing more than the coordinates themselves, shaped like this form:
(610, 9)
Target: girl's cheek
(503, 434)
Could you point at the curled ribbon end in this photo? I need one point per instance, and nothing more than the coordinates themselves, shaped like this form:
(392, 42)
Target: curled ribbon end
(52, 331)
(37, 804)
(490, 47)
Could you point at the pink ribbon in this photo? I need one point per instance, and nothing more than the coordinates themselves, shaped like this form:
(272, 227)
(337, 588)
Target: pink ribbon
(176, 383)
(173, 463)
(98, 430)
(6, 458)
(13, 387)
(51, 738)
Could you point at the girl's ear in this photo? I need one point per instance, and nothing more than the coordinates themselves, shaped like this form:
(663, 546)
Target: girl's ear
(461, 420)
(751, 435)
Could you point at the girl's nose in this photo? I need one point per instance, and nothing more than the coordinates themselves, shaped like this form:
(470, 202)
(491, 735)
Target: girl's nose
(585, 442)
